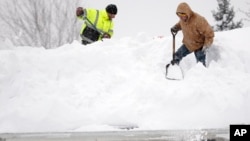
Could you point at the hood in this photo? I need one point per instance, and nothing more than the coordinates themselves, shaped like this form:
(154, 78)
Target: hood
(184, 8)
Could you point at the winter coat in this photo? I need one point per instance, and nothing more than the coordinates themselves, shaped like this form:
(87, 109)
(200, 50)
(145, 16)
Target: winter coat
(196, 30)
(97, 19)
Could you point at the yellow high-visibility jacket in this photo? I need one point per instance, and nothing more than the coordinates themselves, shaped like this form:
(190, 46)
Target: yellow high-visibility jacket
(97, 19)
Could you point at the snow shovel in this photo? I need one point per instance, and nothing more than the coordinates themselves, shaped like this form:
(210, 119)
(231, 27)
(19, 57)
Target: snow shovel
(173, 71)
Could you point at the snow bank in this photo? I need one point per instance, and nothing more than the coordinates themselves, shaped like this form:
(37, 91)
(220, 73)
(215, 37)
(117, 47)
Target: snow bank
(114, 83)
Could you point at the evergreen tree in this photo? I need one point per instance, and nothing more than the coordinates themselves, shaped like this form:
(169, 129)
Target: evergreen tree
(224, 17)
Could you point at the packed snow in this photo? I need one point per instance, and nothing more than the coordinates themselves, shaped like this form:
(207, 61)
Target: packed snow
(118, 83)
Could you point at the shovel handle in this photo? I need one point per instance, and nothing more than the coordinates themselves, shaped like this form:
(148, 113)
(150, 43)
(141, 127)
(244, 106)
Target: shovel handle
(173, 33)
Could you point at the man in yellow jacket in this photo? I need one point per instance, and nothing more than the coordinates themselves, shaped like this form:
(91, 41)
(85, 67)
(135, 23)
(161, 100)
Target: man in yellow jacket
(98, 24)
(197, 34)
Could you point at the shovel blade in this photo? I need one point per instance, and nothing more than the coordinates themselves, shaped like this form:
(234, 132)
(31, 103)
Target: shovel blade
(174, 72)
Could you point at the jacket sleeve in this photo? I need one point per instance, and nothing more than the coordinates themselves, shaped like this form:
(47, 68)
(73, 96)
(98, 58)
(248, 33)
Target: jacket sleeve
(111, 30)
(207, 31)
(178, 26)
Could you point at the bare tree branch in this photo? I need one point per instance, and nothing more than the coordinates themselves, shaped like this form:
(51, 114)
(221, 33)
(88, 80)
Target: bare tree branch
(47, 23)
(247, 13)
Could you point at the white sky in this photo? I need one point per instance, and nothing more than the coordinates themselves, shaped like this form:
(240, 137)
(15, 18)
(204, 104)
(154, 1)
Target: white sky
(155, 17)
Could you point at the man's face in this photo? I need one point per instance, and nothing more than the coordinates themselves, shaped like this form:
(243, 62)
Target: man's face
(182, 16)
(111, 16)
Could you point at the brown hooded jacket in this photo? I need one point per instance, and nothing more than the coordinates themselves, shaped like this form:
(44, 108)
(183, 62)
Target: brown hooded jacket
(196, 30)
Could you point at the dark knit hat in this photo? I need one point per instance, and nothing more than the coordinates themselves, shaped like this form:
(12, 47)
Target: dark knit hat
(112, 9)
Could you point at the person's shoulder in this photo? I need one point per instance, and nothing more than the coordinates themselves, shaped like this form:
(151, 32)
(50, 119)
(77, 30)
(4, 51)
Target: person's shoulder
(91, 9)
(199, 17)
(102, 11)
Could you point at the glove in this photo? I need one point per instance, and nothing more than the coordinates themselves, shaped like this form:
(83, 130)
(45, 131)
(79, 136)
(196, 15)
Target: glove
(173, 62)
(106, 35)
(205, 48)
(79, 11)
(174, 29)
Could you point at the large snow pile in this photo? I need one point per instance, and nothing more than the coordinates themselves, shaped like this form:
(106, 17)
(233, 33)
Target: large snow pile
(121, 82)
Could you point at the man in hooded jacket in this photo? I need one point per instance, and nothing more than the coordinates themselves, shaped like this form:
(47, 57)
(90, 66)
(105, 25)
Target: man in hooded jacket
(197, 34)
(98, 24)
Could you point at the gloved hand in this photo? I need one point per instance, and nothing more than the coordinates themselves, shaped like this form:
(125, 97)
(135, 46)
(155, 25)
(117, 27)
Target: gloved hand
(106, 35)
(204, 48)
(79, 11)
(173, 62)
(174, 29)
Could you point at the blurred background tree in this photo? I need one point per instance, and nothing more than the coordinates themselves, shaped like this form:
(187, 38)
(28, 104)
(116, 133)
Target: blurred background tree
(247, 13)
(224, 17)
(46, 23)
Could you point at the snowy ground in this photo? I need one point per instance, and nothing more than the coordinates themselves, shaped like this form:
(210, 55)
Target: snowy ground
(109, 84)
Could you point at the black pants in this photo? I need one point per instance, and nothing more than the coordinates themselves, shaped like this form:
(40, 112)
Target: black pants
(84, 42)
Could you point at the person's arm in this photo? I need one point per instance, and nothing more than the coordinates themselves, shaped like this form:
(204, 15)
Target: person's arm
(176, 28)
(110, 32)
(207, 32)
